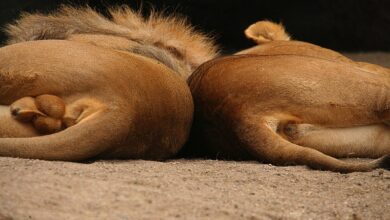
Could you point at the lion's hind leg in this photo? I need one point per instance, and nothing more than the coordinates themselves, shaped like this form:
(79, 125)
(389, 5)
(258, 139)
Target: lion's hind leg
(259, 136)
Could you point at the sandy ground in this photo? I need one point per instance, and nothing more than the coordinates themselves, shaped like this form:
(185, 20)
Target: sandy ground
(189, 189)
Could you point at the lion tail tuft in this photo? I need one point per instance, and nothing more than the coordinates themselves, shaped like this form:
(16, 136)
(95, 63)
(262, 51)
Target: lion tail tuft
(266, 31)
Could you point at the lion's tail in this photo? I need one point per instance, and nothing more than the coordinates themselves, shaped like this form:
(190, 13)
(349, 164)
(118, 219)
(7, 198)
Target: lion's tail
(266, 144)
(266, 31)
(79, 142)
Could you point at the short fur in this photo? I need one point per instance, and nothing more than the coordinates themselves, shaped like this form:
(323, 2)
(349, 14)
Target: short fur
(289, 102)
(121, 81)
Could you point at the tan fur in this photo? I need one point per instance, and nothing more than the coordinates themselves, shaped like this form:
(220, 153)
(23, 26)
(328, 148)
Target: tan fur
(290, 102)
(121, 81)
(45, 112)
(173, 37)
(266, 31)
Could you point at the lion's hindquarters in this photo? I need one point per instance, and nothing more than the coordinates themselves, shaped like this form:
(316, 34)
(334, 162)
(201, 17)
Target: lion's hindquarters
(54, 67)
(230, 90)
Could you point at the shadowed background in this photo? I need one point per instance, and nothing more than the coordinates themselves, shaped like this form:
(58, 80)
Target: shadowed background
(347, 25)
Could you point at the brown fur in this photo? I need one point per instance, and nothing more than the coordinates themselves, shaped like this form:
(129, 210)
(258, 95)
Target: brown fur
(168, 39)
(45, 112)
(121, 81)
(289, 102)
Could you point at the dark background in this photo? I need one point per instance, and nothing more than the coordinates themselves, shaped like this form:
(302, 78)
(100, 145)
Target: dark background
(347, 25)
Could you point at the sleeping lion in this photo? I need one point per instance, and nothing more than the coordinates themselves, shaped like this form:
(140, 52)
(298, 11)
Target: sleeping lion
(76, 85)
(289, 102)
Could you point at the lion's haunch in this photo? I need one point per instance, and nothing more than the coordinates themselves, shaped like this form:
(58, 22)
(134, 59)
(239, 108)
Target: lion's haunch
(292, 109)
(109, 102)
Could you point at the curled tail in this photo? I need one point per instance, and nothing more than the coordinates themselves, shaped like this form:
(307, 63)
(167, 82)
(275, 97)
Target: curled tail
(265, 144)
(266, 31)
(93, 136)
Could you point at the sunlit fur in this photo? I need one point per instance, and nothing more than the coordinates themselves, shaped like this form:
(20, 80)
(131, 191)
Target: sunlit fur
(169, 39)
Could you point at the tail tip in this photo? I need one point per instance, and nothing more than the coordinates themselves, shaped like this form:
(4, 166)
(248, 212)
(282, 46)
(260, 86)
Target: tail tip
(266, 31)
(385, 162)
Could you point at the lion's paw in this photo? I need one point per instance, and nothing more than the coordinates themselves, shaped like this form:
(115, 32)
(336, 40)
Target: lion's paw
(45, 112)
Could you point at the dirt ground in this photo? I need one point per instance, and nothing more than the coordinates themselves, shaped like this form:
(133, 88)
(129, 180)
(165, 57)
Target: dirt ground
(189, 189)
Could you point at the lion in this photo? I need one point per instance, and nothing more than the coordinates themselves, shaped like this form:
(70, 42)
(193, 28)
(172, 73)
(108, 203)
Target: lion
(292, 103)
(75, 85)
